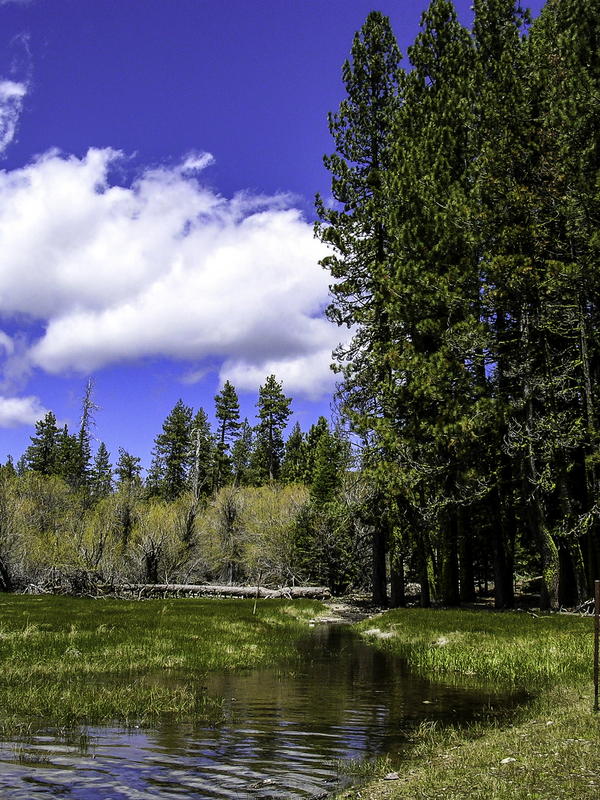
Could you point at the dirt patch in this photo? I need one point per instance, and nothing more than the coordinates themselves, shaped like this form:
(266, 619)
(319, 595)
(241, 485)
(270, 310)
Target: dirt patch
(349, 609)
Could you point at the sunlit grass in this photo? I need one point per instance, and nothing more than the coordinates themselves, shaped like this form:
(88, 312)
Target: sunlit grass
(546, 750)
(515, 649)
(69, 660)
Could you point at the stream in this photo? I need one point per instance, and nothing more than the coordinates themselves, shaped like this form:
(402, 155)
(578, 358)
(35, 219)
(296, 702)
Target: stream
(286, 732)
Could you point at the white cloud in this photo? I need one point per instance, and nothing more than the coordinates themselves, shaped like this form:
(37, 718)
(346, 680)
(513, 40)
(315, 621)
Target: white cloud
(11, 103)
(308, 375)
(18, 411)
(164, 267)
(196, 162)
(7, 343)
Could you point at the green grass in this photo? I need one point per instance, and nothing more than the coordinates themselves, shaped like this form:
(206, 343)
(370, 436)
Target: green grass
(547, 750)
(68, 660)
(515, 649)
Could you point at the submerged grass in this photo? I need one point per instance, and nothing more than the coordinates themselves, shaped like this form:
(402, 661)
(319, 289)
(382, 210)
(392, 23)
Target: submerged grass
(547, 750)
(73, 660)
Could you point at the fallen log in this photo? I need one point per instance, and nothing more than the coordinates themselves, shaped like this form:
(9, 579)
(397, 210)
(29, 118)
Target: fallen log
(209, 590)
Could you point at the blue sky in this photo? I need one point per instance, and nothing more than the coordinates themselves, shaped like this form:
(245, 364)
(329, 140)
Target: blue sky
(159, 161)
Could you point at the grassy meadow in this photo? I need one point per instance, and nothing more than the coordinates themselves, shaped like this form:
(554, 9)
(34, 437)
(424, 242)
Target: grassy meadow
(72, 660)
(548, 749)
(68, 661)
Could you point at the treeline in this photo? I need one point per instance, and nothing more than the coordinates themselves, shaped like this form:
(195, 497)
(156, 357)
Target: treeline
(231, 504)
(465, 256)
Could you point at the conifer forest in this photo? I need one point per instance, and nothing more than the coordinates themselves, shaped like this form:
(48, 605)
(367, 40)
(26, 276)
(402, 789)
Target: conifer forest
(463, 244)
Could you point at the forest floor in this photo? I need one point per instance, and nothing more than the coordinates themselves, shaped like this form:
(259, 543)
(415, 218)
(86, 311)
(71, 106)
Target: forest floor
(545, 750)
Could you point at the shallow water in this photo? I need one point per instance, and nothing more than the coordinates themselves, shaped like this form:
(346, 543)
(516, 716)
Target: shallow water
(284, 735)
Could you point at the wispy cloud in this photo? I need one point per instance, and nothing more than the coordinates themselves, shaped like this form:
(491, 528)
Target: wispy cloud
(165, 267)
(11, 103)
(196, 162)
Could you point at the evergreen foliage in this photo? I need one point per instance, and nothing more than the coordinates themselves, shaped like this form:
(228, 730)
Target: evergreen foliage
(273, 413)
(466, 261)
(172, 455)
(101, 475)
(42, 455)
(227, 412)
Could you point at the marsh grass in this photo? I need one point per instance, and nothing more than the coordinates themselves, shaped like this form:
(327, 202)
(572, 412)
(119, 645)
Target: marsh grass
(67, 661)
(515, 649)
(545, 750)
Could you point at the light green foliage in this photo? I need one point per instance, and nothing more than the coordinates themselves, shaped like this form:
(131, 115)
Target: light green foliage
(270, 516)
(248, 532)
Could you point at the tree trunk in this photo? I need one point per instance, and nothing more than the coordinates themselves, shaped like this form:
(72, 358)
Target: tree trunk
(379, 570)
(465, 555)
(397, 586)
(450, 594)
(504, 526)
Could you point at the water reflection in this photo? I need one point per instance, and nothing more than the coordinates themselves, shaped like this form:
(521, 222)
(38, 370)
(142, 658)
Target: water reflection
(283, 736)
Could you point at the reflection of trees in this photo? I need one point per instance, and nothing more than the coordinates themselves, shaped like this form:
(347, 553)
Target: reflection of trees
(346, 700)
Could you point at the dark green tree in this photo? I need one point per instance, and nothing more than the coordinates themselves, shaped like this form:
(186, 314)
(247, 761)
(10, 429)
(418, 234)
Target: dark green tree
(241, 455)
(101, 474)
(357, 229)
(128, 468)
(227, 412)
(172, 455)
(273, 413)
(128, 494)
(293, 465)
(42, 455)
(203, 451)
(71, 466)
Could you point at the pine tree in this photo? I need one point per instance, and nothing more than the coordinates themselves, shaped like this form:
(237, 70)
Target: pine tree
(364, 134)
(101, 473)
(330, 460)
(241, 455)
(273, 412)
(42, 455)
(70, 458)
(227, 411)
(436, 358)
(202, 446)
(310, 445)
(293, 465)
(172, 456)
(128, 468)
(129, 491)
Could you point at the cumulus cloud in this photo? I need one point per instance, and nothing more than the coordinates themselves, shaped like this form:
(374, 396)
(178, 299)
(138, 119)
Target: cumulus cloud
(164, 267)
(11, 103)
(17, 411)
